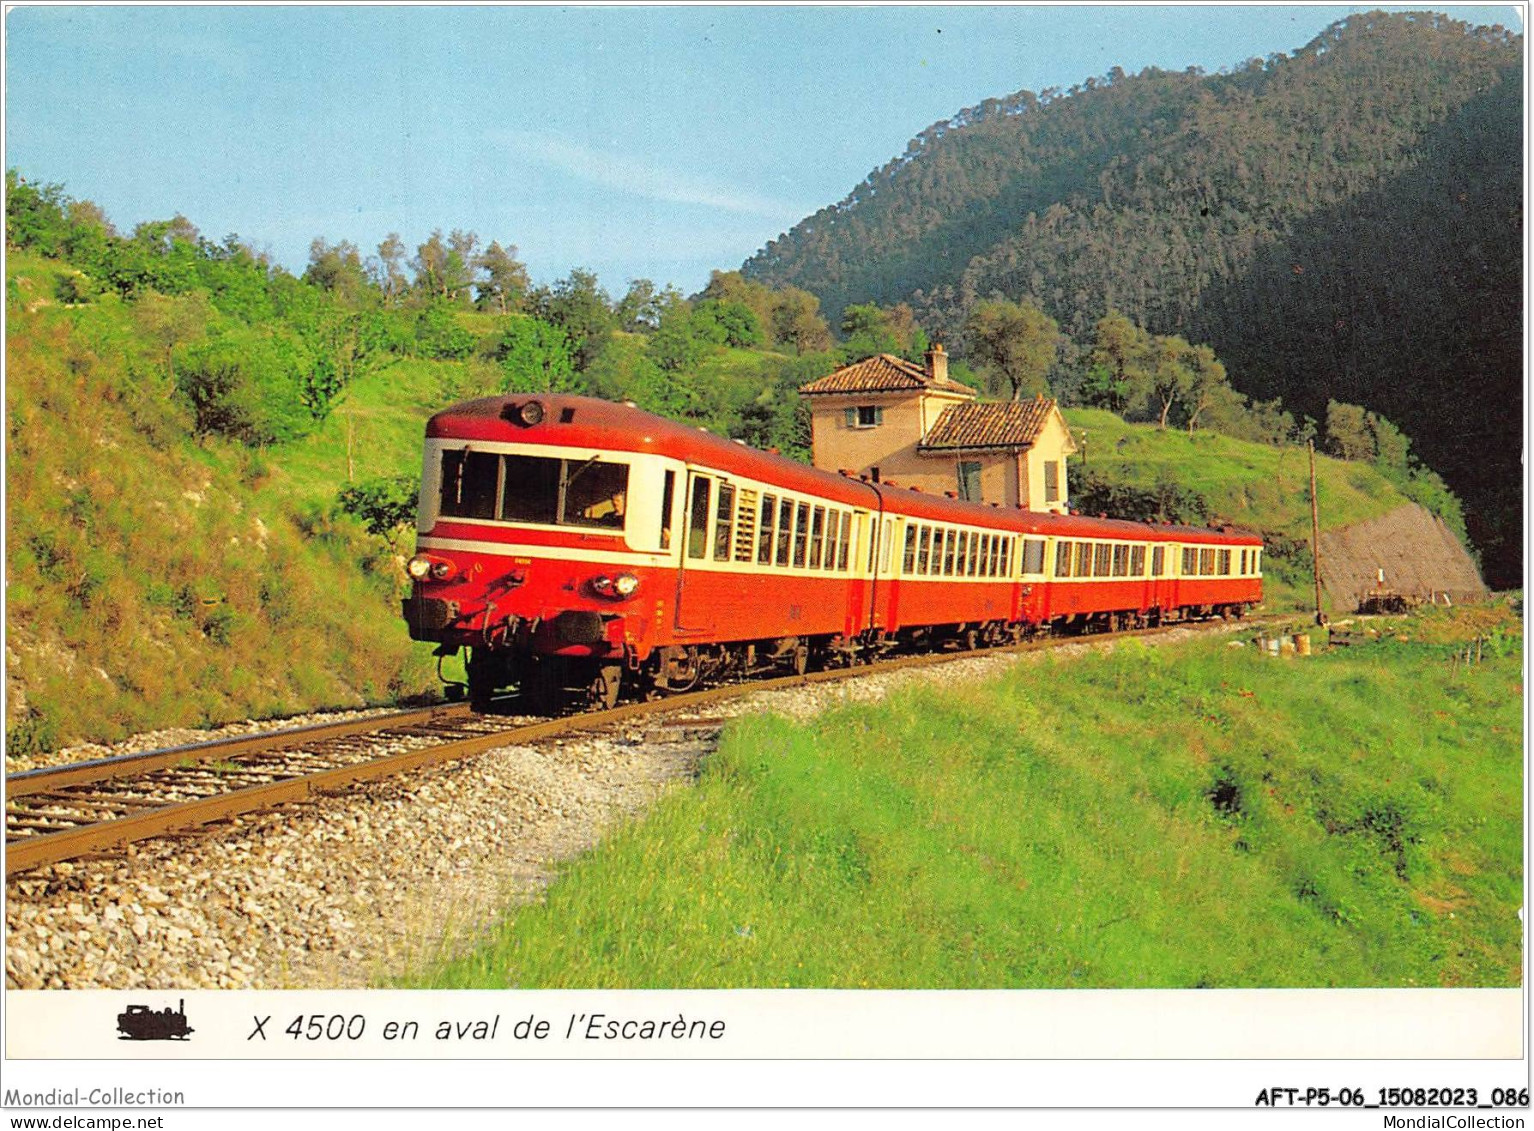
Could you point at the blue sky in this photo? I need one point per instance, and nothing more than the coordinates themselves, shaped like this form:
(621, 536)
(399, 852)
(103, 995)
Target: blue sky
(633, 141)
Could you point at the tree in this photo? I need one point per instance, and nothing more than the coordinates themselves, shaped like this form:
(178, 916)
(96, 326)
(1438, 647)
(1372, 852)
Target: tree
(505, 280)
(535, 358)
(1207, 386)
(580, 307)
(338, 269)
(733, 287)
(867, 331)
(1016, 341)
(727, 323)
(1171, 376)
(444, 268)
(796, 321)
(1347, 431)
(1118, 370)
(674, 346)
(391, 258)
(639, 310)
(462, 262)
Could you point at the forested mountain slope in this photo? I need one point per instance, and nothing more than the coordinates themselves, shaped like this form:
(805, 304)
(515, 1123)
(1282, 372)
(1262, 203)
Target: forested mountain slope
(1339, 223)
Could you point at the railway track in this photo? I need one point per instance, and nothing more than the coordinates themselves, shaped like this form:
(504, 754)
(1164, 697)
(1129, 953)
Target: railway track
(62, 812)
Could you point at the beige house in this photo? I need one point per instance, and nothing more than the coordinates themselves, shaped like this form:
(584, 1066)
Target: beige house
(894, 421)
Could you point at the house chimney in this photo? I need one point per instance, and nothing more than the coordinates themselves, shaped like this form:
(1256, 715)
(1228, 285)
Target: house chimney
(937, 363)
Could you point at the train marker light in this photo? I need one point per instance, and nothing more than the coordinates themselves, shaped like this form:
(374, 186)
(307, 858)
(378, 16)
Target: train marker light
(527, 414)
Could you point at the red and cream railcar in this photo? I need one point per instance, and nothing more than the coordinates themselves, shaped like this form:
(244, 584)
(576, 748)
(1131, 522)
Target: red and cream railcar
(571, 543)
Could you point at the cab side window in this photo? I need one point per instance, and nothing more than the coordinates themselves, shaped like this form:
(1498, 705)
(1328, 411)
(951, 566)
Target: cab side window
(697, 517)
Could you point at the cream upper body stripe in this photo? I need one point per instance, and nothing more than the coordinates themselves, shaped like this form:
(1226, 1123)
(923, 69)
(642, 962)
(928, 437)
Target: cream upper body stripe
(530, 550)
(666, 558)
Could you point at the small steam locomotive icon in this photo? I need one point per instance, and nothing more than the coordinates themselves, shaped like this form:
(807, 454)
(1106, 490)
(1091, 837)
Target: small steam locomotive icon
(140, 1023)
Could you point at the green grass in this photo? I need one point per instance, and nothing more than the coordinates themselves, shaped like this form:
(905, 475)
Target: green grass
(1179, 817)
(1254, 485)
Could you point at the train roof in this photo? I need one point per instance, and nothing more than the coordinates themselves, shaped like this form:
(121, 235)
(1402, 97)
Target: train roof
(586, 422)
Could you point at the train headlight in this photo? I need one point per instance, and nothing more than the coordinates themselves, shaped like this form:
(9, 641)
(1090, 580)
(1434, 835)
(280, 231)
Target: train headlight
(424, 566)
(618, 587)
(530, 413)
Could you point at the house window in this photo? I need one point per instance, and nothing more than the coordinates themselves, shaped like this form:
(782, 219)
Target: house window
(1051, 481)
(969, 481)
(865, 416)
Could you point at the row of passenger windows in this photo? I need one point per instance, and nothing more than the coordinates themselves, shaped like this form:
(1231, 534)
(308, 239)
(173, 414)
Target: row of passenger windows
(1127, 559)
(1107, 559)
(940, 551)
(765, 528)
(739, 524)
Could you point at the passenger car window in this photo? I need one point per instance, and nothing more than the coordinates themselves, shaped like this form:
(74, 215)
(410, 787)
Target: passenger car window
(765, 529)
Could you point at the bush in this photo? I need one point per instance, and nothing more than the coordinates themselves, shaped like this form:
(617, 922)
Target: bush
(439, 336)
(382, 505)
(1165, 502)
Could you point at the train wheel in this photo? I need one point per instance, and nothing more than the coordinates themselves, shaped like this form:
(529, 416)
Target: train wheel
(484, 671)
(801, 659)
(605, 689)
(543, 692)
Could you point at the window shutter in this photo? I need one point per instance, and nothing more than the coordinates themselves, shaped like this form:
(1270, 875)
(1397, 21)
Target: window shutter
(878, 414)
(852, 418)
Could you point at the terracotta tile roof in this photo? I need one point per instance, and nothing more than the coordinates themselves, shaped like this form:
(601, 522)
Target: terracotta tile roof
(989, 424)
(883, 373)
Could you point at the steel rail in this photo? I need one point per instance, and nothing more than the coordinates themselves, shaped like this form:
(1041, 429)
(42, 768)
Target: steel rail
(46, 778)
(29, 852)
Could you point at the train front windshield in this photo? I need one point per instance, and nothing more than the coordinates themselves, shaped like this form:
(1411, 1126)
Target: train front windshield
(502, 487)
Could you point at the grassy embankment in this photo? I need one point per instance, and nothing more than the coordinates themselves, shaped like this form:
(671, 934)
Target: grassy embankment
(1179, 817)
(155, 581)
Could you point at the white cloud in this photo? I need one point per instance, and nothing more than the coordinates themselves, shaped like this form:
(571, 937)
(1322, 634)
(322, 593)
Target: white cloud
(640, 178)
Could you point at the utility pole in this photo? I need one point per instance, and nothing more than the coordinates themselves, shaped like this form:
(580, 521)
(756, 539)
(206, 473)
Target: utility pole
(1315, 532)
